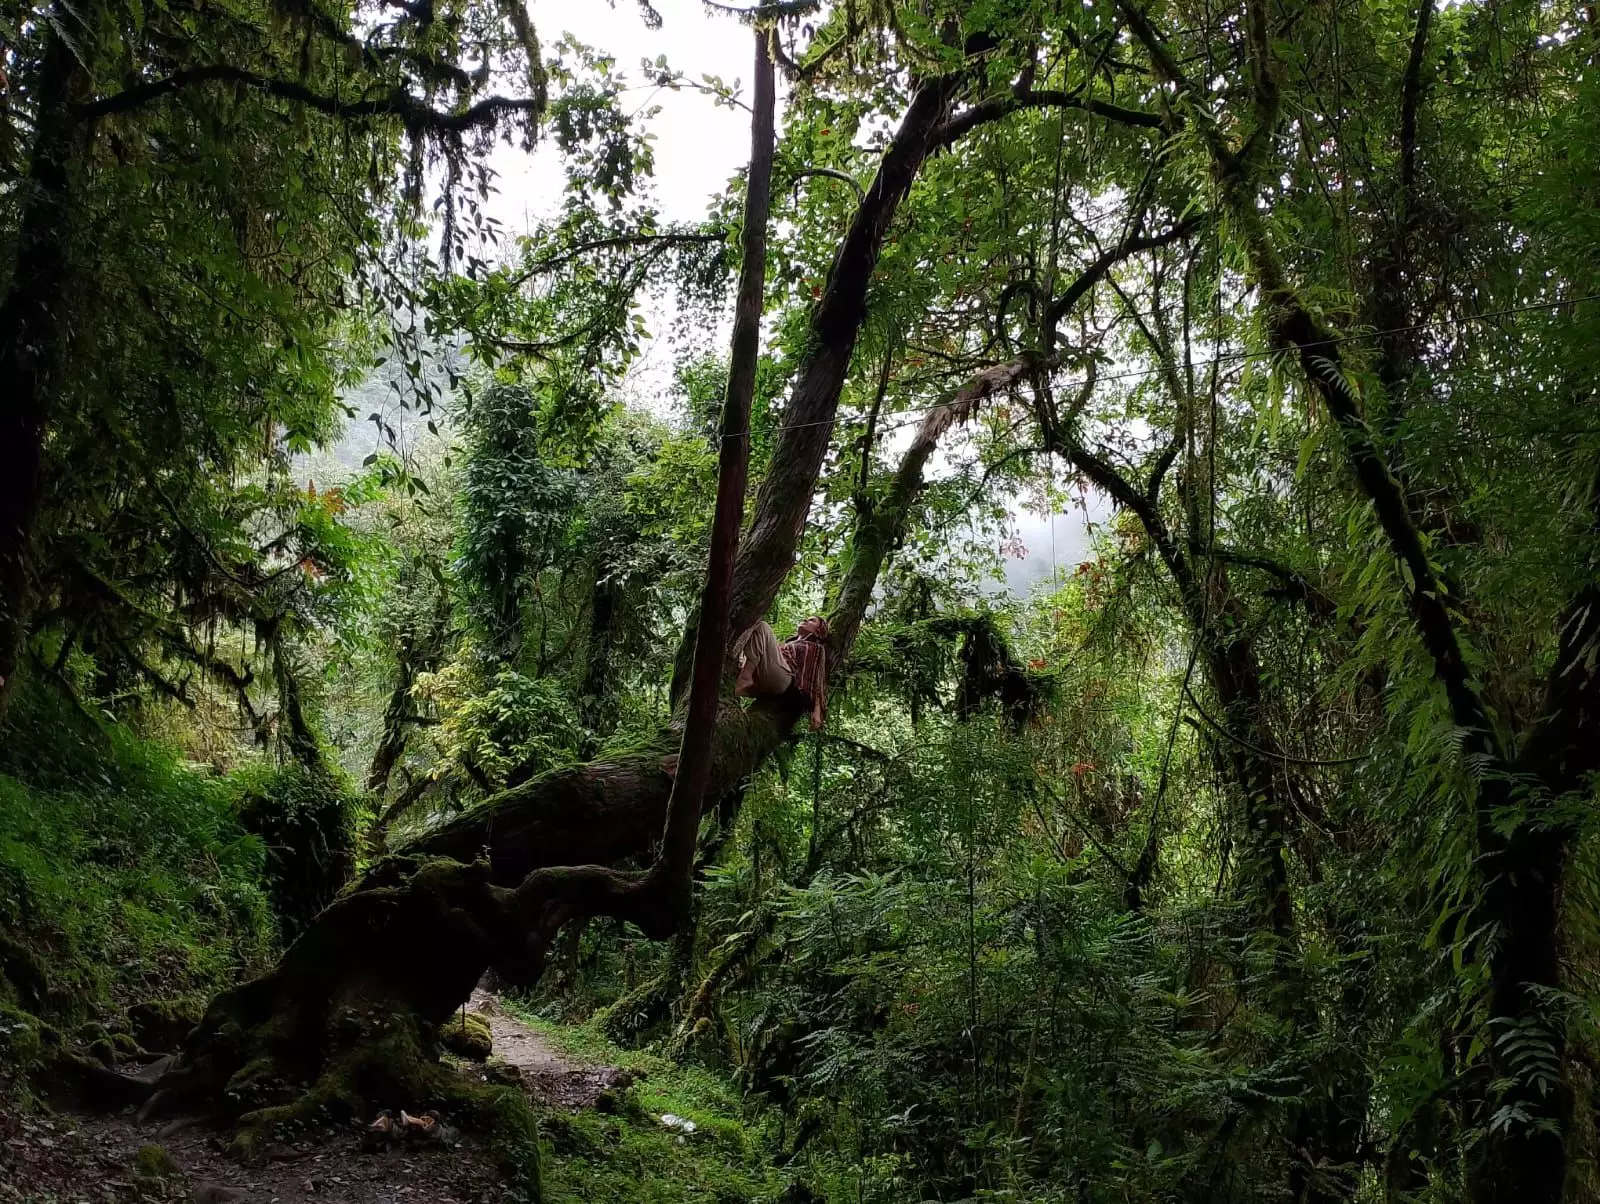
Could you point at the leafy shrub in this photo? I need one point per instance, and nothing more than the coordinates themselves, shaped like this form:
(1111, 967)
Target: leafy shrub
(306, 822)
(511, 724)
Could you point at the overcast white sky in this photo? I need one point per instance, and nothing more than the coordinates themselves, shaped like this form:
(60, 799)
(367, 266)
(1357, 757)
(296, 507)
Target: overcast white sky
(699, 148)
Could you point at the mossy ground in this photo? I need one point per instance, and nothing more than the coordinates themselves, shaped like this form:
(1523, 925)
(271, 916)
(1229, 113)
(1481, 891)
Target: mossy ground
(125, 878)
(623, 1153)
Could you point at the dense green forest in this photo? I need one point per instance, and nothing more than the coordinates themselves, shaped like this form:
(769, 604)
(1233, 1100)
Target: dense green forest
(1250, 854)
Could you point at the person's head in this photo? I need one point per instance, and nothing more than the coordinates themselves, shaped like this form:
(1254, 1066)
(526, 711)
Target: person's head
(814, 628)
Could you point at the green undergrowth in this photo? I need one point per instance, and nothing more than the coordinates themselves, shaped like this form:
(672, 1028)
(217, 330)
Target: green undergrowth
(125, 879)
(306, 822)
(623, 1152)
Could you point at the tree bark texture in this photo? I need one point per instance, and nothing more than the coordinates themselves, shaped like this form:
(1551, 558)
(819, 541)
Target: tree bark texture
(32, 331)
(712, 633)
(784, 498)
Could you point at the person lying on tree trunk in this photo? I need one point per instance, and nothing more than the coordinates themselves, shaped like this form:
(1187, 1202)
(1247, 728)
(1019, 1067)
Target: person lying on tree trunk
(768, 668)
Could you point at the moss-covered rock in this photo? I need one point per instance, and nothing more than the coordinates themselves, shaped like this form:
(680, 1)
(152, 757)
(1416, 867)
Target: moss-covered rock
(154, 1163)
(503, 1073)
(23, 1040)
(467, 1036)
(22, 976)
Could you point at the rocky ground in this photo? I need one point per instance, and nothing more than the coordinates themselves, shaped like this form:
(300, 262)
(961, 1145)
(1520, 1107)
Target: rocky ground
(116, 1159)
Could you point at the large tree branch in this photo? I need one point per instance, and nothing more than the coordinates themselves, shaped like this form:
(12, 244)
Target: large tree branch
(1433, 611)
(641, 238)
(399, 103)
(881, 527)
(784, 499)
(1293, 585)
(998, 107)
(1132, 245)
(1104, 476)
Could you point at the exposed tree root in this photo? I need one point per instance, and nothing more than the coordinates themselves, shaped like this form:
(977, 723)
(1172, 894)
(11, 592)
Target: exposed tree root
(348, 1021)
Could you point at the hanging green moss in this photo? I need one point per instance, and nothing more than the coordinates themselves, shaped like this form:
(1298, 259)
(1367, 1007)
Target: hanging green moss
(306, 821)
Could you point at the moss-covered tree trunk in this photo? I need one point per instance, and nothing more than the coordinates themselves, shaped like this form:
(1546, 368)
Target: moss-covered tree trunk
(410, 940)
(352, 1007)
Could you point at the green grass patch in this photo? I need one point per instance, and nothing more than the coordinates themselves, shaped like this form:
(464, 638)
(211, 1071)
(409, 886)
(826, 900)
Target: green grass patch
(628, 1155)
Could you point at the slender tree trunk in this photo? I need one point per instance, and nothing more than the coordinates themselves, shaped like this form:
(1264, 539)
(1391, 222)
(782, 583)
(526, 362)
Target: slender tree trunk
(392, 741)
(1524, 874)
(421, 646)
(733, 466)
(659, 901)
(597, 692)
(33, 330)
(294, 728)
(783, 501)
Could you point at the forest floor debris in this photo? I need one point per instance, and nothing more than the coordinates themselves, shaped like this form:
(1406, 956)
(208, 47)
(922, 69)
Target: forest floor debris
(109, 1159)
(98, 1159)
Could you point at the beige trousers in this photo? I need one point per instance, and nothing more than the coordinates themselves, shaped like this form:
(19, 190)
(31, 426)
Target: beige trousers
(761, 668)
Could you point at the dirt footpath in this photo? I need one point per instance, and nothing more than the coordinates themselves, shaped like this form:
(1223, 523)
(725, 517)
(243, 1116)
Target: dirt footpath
(549, 1076)
(96, 1160)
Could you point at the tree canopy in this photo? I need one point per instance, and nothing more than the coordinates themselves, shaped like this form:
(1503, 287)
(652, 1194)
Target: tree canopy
(1249, 853)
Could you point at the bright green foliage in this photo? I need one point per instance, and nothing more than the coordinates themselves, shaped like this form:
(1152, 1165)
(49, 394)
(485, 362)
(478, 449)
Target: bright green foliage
(623, 1152)
(510, 723)
(1252, 856)
(124, 874)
